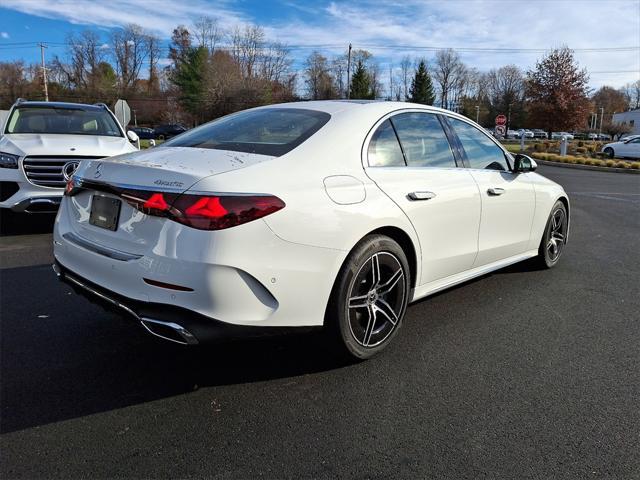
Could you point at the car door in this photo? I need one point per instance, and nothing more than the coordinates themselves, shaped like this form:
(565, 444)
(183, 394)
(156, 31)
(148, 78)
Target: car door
(508, 199)
(410, 159)
(629, 149)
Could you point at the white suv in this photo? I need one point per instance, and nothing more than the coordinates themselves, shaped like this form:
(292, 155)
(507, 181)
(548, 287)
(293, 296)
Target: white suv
(42, 144)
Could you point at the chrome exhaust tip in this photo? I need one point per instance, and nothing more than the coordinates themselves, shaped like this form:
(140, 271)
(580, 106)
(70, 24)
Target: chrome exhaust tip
(169, 331)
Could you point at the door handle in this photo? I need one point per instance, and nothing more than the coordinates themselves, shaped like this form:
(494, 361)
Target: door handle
(421, 195)
(495, 191)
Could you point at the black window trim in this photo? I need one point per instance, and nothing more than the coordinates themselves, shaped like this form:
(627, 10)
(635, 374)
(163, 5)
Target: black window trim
(463, 153)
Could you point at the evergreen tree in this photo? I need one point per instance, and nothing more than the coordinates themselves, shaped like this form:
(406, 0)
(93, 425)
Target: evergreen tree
(361, 85)
(421, 87)
(189, 77)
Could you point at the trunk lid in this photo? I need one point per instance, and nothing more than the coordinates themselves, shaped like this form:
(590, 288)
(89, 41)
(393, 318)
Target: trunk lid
(170, 169)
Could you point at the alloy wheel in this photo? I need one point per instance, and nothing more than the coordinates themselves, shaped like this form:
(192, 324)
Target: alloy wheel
(557, 235)
(376, 299)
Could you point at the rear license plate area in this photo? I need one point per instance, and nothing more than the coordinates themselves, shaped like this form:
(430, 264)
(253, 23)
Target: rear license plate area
(105, 212)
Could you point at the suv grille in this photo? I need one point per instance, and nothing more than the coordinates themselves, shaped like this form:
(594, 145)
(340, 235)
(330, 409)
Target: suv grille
(47, 171)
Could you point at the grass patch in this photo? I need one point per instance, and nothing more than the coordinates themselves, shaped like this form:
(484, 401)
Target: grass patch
(145, 143)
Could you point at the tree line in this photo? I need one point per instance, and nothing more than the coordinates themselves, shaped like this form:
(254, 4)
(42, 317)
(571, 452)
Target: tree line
(207, 72)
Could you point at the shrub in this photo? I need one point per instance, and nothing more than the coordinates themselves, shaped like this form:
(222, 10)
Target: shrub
(580, 161)
(635, 165)
(622, 165)
(581, 149)
(580, 144)
(610, 163)
(599, 163)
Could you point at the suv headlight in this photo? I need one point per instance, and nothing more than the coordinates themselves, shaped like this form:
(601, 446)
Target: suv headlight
(8, 160)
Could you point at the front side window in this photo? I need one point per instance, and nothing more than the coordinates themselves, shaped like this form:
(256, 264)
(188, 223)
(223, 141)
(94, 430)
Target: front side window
(482, 153)
(266, 131)
(53, 120)
(384, 149)
(423, 140)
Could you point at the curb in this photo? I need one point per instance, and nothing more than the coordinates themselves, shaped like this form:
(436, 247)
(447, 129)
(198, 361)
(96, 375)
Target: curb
(588, 167)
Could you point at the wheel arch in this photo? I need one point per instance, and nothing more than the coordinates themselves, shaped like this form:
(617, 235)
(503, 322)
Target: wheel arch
(405, 242)
(565, 201)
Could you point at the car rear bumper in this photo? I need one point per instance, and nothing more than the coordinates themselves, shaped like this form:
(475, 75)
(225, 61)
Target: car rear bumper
(20, 195)
(169, 322)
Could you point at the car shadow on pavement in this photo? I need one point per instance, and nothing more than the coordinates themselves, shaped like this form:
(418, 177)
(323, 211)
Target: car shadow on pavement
(12, 223)
(62, 357)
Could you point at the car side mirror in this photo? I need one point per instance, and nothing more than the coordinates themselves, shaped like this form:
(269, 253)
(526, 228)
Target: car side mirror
(133, 136)
(524, 163)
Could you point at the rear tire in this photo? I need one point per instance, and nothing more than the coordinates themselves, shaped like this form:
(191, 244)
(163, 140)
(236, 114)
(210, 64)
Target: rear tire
(609, 152)
(369, 297)
(554, 237)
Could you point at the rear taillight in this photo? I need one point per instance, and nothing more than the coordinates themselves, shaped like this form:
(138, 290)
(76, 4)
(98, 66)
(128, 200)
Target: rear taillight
(204, 212)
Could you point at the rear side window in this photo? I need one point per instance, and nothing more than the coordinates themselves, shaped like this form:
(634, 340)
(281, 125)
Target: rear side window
(384, 149)
(268, 131)
(481, 152)
(423, 140)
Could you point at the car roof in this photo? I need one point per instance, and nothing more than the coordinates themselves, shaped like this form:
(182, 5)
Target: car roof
(64, 105)
(375, 108)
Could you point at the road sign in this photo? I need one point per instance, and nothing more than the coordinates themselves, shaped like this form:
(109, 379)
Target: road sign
(501, 130)
(501, 120)
(122, 112)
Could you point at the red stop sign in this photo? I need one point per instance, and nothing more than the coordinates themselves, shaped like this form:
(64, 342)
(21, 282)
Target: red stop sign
(501, 120)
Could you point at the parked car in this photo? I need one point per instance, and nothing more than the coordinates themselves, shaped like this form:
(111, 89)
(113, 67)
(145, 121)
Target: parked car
(44, 142)
(539, 133)
(144, 133)
(304, 235)
(164, 132)
(559, 135)
(599, 136)
(628, 137)
(624, 148)
(512, 134)
(526, 133)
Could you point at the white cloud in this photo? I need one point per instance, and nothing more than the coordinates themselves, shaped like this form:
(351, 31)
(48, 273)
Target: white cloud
(4, 34)
(401, 24)
(157, 16)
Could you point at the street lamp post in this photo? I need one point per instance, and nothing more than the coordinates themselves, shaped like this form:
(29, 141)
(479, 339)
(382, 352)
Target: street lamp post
(601, 117)
(477, 113)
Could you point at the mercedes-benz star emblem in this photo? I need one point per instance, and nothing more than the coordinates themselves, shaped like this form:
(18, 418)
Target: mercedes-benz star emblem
(98, 173)
(69, 169)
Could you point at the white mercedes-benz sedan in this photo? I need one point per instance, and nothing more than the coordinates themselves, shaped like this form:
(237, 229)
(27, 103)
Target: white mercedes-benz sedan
(332, 213)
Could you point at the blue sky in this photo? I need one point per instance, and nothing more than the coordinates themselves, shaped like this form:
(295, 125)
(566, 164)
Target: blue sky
(390, 29)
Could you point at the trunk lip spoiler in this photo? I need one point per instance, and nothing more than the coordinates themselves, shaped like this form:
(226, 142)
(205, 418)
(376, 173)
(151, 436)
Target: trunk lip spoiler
(81, 183)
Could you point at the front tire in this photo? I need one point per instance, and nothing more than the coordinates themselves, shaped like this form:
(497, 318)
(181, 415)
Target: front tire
(370, 297)
(609, 152)
(554, 237)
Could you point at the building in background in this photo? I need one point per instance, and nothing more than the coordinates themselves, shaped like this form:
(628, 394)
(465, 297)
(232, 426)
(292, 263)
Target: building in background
(631, 118)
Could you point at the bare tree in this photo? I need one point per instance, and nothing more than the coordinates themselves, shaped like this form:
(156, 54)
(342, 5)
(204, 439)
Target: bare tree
(449, 73)
(130, 47)
(275, 62)
(246, 47)
(320, 84)
(405, 76)
(208, 33)
(153, 47)
(631, 91)
(339, 73)
(85, 54)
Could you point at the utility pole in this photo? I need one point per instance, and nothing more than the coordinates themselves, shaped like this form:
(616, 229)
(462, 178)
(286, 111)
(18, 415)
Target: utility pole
(477, 113)
(349, 73)
(509, 118)
(44, 72)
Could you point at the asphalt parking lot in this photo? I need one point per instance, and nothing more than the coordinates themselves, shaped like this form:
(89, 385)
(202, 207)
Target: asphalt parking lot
(519, 374)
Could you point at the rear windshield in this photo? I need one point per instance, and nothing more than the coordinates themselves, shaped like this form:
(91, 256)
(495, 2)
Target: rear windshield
(62, 120)
(268, 131)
